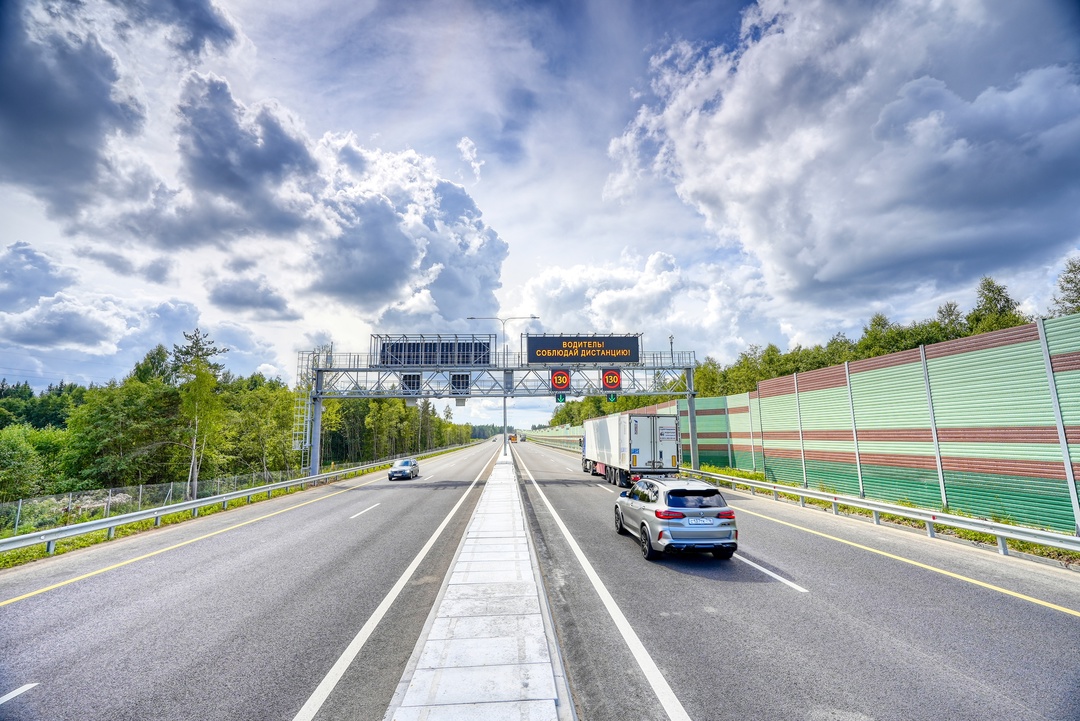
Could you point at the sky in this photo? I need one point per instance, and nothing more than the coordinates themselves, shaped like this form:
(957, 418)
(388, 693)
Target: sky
(285, 175)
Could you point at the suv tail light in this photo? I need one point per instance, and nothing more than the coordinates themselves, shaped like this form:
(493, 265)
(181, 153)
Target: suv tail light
(669, 514)
(726, 514)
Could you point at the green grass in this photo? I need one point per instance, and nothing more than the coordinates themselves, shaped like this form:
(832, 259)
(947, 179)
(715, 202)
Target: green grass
(19, 556)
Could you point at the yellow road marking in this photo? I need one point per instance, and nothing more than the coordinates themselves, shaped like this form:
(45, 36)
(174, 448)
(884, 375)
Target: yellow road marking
(942, 571)
(179, 545)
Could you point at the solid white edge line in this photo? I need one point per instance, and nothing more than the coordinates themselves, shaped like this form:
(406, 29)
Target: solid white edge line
(766, 571)
(325, 688)
(21, 690)
(362, 512)
(653, 675)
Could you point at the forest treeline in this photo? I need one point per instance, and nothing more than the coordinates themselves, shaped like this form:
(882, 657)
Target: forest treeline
(180, 416)
(994, 309)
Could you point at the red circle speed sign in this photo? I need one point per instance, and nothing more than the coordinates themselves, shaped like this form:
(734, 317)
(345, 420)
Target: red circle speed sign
(612, 379)
(560, 380)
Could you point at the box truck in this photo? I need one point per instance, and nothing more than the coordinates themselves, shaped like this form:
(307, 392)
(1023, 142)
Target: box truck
(624, 446)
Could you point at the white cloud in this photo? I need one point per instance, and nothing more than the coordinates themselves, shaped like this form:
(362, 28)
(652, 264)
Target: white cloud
(469, 155)
(852, 161)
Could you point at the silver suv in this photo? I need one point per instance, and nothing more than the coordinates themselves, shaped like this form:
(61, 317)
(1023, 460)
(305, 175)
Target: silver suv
(675, 514)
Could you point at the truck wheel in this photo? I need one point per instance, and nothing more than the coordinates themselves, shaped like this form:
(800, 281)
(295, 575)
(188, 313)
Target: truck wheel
(619, 527)
(647, 551)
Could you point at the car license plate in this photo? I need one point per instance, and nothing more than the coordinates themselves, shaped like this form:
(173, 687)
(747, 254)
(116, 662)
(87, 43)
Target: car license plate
(698, 521)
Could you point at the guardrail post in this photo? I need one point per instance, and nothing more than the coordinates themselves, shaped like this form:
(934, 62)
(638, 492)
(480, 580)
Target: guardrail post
(930, 528)
(157, 521)
(1003, 545)
(112, 533)
(50, 547)
(877, 518)
(835, 508)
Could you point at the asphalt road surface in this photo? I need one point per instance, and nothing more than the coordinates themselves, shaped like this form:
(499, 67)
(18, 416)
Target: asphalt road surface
(242, 615)
(855, 623)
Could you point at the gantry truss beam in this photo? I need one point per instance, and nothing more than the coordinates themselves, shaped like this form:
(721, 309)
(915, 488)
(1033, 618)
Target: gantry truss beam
(656, 375)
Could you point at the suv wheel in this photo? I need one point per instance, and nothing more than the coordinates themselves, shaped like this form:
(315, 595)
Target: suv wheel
(619, 527)
(647, 551)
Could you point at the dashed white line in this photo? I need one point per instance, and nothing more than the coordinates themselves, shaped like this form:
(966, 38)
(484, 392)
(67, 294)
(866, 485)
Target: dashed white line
(766, 571)
(362, 512)
(21, 690)
(601, 485)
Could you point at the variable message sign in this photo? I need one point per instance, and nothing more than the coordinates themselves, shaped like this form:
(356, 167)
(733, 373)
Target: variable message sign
(582, 349)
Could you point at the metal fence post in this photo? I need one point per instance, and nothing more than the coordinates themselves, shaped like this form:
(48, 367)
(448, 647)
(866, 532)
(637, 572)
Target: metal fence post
(18, 515)
(753, 450)
(854, 429)
(798, 419)
(933, 430)
(1063, 440)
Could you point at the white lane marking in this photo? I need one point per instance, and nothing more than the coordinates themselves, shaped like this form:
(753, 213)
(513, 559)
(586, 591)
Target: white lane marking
(362, 512)
(601, 485)
(21, 690)
(660, 687)
(326, 686)
(770, 573)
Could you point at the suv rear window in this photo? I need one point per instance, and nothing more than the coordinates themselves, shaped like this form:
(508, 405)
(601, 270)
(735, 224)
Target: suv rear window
(695, 498)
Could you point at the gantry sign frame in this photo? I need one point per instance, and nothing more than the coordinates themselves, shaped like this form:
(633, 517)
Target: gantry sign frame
(463, 366)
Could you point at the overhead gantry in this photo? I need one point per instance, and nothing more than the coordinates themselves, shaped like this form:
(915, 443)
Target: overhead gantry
(463, 366)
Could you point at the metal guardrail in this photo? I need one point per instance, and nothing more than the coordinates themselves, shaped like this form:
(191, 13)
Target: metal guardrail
(1001, 531)
(51, 536)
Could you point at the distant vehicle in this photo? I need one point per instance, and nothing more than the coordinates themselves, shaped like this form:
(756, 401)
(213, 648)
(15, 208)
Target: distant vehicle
(675, 514)
(513, 438)
(404, 468)
(625, 447)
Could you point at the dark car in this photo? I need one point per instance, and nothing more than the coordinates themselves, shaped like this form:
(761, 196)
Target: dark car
(673, 514)
(404, 468)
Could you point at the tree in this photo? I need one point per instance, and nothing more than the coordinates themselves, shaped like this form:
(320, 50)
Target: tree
(709, 378)
(994, 308)
(261, 428)
(202, 408)
(198, 347)
(20, 465)
(951, 320)
(155, 365)
(1067, 299)
(124, 434)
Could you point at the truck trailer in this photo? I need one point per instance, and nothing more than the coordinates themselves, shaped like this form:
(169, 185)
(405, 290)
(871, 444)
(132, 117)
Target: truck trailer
(624, 446)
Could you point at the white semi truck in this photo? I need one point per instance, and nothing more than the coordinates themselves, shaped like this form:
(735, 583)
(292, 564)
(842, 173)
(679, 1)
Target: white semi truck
(622, 446)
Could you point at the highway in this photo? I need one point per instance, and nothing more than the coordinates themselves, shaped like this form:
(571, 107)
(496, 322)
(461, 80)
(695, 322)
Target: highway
(242, 615)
